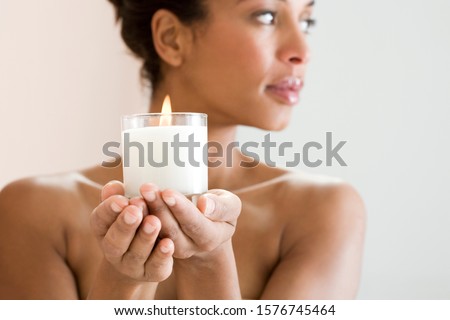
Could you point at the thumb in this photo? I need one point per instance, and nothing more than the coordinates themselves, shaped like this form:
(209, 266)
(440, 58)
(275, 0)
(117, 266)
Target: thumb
(220, 205)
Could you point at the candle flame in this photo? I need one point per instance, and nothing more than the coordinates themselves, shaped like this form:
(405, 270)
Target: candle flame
(167, 106)
(166, 118)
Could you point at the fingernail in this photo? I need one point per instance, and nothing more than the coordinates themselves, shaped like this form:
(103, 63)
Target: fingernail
(130, 218)
(115, 207)
(149, 228)
(110, 183)
(149, 196)
(210, 206)
(165, 249)
(170, 201)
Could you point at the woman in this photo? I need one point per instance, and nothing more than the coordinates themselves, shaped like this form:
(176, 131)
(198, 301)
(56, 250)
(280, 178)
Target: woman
(260, 232)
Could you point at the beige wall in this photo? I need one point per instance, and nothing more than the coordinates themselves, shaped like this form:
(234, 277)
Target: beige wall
(65, 79)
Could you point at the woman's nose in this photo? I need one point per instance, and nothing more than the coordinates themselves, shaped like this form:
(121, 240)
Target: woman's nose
(294, 48)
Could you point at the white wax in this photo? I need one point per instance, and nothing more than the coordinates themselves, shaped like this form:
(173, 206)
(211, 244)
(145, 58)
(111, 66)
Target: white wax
(190, 179)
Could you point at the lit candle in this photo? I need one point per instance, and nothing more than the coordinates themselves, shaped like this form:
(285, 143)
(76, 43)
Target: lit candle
(167, 149)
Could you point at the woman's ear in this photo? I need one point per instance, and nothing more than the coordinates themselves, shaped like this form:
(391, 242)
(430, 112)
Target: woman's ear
(170, 37)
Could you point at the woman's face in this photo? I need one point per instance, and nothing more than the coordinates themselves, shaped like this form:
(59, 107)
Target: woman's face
(247, 65)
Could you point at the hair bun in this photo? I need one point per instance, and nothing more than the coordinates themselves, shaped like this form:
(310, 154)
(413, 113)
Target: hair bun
(118, 4)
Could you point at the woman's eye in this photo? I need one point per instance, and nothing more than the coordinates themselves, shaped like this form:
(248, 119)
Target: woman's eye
(267, 17)
(307, 25)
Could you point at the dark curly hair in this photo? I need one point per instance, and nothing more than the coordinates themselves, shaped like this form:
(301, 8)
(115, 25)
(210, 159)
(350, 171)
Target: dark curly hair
(136, 17)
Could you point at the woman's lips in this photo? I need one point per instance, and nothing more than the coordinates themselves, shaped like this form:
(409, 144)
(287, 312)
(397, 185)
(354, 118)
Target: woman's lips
(287, 90)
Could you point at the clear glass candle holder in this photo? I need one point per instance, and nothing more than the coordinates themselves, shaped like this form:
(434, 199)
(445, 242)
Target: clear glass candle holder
(168, 150)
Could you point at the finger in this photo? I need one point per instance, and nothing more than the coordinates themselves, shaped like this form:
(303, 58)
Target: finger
(140, 203)
(160, 264)
(119, 236)
(220, 205)
(112, 188)
(156, 206)
(193, 223)
(143, 242)
(106, 213)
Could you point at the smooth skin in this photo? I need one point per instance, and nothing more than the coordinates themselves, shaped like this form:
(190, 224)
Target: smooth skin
(258, 233)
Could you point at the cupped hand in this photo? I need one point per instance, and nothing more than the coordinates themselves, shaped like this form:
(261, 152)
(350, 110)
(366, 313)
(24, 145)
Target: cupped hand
(196, 230)
(128, 236)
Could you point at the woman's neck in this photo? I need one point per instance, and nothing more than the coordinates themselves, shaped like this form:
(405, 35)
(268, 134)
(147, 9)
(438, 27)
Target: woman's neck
(224, 168)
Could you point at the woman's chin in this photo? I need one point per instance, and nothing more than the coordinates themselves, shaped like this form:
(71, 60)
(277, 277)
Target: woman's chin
(278, 127)
(273, 124)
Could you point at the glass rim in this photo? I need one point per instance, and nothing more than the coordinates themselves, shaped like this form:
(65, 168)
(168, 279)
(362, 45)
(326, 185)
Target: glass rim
(159, 114)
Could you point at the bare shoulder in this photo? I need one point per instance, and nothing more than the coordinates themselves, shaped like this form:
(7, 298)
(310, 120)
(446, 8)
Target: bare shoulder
(315, 203)
(35, 216)
(313, 190)
(322, 239)
(44, 195)
(47, 204)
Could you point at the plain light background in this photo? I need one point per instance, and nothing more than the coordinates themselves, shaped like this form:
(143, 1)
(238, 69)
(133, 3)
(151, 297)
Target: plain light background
(379, 79)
